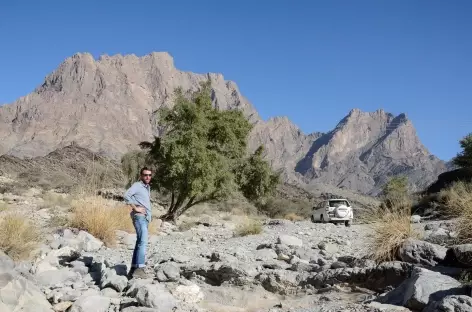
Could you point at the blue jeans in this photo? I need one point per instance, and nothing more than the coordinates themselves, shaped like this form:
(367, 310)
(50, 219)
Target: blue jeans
(139, 254)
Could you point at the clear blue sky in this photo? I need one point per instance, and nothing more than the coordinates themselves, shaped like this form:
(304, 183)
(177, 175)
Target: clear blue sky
(310, 60)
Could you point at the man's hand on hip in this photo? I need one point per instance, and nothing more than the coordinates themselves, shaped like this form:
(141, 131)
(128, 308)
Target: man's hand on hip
(139, 209)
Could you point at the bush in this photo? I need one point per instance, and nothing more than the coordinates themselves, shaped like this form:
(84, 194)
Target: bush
(391, 228)
(276, 207)
(101, 218)
(464, 158)
(18, 237)
(395, 193)
(248, 227)
(458, 202)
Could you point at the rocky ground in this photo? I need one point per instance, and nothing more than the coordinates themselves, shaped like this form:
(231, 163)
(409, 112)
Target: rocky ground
(290, 266)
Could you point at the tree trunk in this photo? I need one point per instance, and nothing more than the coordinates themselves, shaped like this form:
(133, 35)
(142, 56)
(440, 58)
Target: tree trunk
(169, 217)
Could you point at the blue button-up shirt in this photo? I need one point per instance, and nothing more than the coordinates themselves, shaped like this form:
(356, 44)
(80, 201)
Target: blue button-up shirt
(139, 194)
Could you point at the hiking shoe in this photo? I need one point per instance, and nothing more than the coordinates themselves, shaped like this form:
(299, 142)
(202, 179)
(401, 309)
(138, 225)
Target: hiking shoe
(139, 273)
(130, 273)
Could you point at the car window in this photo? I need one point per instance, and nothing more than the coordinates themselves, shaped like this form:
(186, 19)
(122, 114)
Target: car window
(337, 203)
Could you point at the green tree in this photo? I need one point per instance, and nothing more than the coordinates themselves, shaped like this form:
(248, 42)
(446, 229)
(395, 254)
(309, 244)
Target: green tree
(131, 164)
(199, 152)
(255, 177)
(464, 158)
(395, 193)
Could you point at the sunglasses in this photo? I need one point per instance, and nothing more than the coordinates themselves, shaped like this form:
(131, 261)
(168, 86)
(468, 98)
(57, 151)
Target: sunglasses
(147, 175)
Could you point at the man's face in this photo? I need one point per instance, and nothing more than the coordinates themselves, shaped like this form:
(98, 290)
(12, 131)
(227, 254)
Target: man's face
(146, 176)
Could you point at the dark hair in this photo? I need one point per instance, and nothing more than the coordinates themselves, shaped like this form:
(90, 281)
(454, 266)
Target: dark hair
(144, 169)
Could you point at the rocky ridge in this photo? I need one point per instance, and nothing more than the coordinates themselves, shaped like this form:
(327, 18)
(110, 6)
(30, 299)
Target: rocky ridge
(108, 106)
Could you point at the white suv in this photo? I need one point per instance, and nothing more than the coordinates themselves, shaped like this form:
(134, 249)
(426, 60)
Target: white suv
(333, 210)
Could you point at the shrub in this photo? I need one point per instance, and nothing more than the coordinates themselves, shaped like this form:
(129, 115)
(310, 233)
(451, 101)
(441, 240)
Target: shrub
(276, 207)
(395, 192)
(248, 227)
(458, 201)
(391, 228)
(464, 158)
(100, 217)
(18, 237)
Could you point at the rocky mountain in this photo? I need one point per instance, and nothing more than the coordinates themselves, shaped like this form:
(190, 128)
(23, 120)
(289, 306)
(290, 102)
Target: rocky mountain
(359, 154)
(108, 106)
(105, 105)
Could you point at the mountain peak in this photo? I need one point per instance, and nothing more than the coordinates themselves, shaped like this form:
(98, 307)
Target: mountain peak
(108, 105)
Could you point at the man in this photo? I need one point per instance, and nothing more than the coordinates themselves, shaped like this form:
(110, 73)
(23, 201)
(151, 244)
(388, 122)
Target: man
(138, 196)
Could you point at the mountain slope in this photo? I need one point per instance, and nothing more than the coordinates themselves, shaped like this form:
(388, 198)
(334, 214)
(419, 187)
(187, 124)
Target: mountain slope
(108, 106)
(105, 105)
(365, 149)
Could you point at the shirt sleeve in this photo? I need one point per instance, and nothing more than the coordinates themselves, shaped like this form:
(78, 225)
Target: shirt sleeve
(130, 192)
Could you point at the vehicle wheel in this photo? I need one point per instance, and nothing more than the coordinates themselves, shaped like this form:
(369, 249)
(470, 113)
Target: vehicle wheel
(313, 219)
(347, 223)
(322, 220)
(336, 223)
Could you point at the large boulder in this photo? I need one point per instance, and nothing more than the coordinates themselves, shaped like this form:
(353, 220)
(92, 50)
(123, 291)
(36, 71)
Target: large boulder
(282, 282)
(54, 259)
(421, 252)
(156, 296)
(421, 288)
(372, 277)
(167, 272)
(57, 278)
(288, 240)
(19, 294)
(459, 255)
(135, 284)
(6, 263)
(83, 241)
(88, 242)
(451, 304)
(328, 247)
(265, 254)
(91, 303)
(114, 278)
(216, 273)
(188, 293)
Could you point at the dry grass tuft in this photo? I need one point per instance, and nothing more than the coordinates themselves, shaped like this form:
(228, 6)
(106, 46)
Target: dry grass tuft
(100, 217)
(458, 201)
(18, 237)
(391, 228)
(293, 217)
(248, 226)
(3, 206)
(53, 199)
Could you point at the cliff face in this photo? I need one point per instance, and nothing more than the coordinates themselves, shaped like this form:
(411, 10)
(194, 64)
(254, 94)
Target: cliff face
(365, 149)
(104, 105)
(107, 106)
